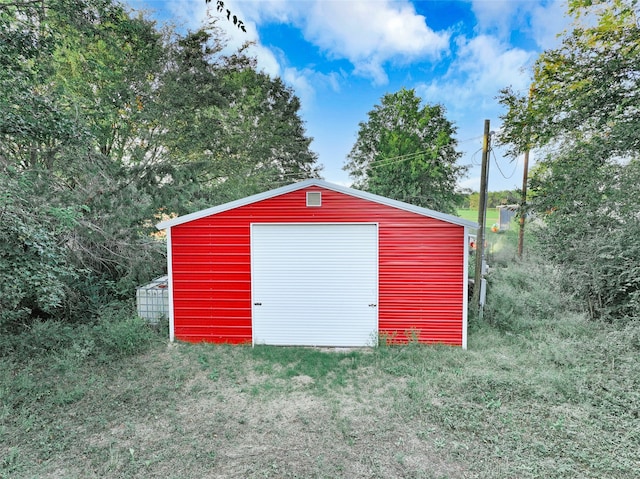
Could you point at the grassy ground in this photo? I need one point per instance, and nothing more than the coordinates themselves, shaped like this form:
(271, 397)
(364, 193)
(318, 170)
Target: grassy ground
(540, 393)
(552, 400)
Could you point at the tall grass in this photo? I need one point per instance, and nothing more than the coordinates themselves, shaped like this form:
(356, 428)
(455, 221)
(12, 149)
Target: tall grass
(542, 392)
(116, 332)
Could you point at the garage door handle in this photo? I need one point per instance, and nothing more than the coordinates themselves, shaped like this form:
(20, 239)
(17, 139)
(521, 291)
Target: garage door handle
(372, 305)
(257, 304)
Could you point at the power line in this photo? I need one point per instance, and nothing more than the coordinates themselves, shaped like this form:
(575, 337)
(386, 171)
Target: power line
(409, 156)
(471, 139)
(473, 156)
(500, 169)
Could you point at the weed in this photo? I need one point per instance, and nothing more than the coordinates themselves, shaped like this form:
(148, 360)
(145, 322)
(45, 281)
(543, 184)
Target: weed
(541, 392)
(203, 360)
(120, 334)
(10, 463)
(522, 293)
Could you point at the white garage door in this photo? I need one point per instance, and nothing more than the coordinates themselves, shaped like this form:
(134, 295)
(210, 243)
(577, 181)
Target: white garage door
(315, 284)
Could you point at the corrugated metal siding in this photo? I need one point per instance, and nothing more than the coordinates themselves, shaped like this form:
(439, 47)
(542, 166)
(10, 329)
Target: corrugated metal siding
(421, 267)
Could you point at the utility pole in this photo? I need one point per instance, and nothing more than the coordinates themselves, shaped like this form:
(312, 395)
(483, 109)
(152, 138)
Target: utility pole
(482, 210)
(523, 203)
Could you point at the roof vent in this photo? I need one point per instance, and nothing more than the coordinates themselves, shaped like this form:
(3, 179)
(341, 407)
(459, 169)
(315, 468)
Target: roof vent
(314, 198)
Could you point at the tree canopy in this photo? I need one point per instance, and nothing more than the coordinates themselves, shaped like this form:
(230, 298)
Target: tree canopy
(407, 152)
(588, 88)
(582, 115)
(107, 123)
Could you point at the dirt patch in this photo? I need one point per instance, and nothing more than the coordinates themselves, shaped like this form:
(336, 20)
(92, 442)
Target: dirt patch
(300, 431)
(226, 415)
(302, 380)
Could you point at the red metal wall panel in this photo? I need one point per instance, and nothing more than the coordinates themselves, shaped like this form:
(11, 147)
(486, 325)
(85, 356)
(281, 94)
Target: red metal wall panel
(421, 268)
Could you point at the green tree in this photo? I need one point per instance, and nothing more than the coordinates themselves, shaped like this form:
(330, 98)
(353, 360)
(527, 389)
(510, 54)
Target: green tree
(505, 197)
(582, 109)
(71, 137)
(34, 270)
(587, 89)
(105, 123)
(34, 124)
(231, 131)
(265, 136)
(589, 207)
(407, 152)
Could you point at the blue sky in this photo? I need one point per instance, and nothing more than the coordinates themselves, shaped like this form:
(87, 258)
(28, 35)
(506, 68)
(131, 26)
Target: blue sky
(341, 56)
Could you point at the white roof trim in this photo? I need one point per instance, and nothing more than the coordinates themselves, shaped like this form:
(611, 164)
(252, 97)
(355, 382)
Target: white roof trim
(323, 184)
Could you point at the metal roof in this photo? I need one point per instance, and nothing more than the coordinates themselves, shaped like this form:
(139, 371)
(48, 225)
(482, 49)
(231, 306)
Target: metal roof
(323, 184)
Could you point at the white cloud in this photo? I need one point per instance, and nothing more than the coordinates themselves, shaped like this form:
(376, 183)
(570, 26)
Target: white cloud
(496, 16)
(371, 69)
(278, 11)
(267, 61)
(490, 65)
(395, 33)
(547, 22)
(301, 84)
(541, 21)
(189, 13)
(363, 30)
(368, 34)
(483, 66)
(307, 81)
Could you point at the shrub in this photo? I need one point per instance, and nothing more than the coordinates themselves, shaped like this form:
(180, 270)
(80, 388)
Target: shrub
(116, 333)
(120, 333)
(523, 292)
(591, 228)
(33, 267)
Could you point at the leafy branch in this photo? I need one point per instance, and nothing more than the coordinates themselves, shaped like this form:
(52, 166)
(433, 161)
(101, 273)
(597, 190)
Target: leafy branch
(236, 21)
(22, 3)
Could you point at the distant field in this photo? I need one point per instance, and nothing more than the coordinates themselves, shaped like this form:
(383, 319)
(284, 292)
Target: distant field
(469, 214)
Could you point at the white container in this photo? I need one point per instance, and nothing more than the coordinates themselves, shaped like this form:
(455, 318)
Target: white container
(153, 300)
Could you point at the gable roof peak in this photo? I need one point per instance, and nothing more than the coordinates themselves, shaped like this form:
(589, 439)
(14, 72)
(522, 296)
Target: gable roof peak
(323, 184)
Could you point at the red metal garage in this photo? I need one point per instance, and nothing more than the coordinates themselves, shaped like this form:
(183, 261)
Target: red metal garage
(315, 263)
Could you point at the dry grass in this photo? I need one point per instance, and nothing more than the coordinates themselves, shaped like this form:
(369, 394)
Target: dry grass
(541, 393)
(555, 402)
